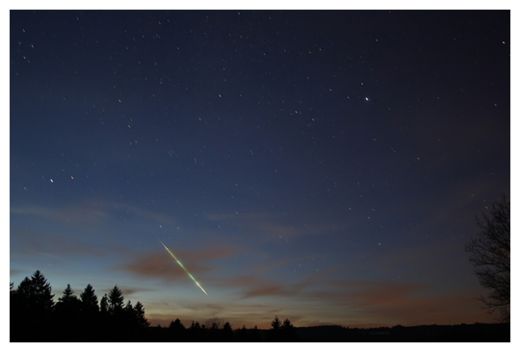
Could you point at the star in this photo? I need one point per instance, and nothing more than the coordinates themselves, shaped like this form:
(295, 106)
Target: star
(142, 140)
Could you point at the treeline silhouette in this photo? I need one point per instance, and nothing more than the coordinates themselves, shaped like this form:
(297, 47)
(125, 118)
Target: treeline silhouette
(176, 331)
(35, 316)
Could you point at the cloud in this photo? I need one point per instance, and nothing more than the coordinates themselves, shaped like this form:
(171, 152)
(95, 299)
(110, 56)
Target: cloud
(75, 214)
(155, 216)
(238, 314)
(129, 290)
(157, 264)
(407, 303)
(269, 290)
(364, 302)
(272, 289)
(53, 244)
(254, 285)
(91, 212)
(273, 225)
(363, 293)
(410, 308)
(382, 293)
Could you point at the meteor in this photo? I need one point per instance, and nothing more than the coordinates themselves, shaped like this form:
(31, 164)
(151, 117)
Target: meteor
(184, 268)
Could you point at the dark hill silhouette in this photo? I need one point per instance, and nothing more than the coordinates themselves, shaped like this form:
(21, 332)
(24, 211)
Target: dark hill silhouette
(35, 316)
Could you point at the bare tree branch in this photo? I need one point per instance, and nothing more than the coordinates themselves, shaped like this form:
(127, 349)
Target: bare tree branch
(490, 255)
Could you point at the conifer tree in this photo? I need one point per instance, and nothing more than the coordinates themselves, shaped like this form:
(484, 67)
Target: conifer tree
(103, 304)
(115, 300)
(89, 301)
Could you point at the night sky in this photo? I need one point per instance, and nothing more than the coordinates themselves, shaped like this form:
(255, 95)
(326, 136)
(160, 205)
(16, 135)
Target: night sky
(325, 166)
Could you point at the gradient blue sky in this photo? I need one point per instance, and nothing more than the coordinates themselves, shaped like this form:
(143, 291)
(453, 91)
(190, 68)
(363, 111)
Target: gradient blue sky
(322, 166)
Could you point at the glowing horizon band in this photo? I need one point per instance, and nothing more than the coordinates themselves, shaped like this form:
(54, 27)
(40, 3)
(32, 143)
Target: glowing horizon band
(184, 268)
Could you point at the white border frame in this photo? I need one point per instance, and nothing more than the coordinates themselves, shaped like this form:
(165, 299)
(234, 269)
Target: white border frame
(235, 4)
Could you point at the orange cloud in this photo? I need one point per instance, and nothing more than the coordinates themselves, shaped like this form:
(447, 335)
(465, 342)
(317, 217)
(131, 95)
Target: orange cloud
(365, 302)
(391, 303)
(158, 264)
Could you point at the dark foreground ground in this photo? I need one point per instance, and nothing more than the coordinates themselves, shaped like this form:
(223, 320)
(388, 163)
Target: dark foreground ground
(429, 333)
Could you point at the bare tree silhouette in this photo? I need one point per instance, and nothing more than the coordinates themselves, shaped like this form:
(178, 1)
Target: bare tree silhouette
(490, 255)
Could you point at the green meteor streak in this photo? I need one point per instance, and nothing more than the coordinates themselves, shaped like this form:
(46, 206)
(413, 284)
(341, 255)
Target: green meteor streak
(184, 268)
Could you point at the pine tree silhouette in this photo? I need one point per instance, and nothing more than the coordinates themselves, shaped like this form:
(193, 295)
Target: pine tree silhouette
(41, 292)
(103, 304)
(275, 324)
(89, 301)
(227, 332)
(177, 325)
(287, 330)
(34, 306)
(139, 315)
(129, 309)
(68, 314)
(35, 317)
(91, 320)
(287, 324)
(115, 301)
(177, 331)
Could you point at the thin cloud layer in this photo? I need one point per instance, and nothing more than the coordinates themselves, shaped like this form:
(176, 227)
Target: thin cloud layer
(158, 264)
(273, 225)
(91, 212)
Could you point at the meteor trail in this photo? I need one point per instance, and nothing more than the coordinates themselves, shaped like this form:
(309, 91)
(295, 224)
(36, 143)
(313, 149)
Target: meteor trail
(184, 268)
